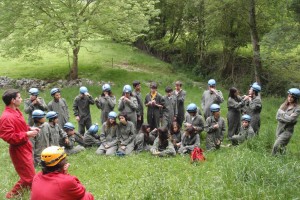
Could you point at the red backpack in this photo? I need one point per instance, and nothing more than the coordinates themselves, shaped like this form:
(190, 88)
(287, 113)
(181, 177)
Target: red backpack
(197, 155)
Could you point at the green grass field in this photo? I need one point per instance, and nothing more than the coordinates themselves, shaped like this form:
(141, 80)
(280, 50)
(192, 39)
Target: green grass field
(245, 172)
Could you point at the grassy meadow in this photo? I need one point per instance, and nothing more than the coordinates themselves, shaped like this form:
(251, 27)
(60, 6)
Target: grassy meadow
(244, 172)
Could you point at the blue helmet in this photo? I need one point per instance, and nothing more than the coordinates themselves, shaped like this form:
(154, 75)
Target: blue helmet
(295, 92)
(106, 87)
(127, 88)
(256, 87)
(38, 114)
(112, 115)
(246, 118)
(212, 82)
(69, 125)
(83, 90)
(191, 108)
(54, 90)
(93, 129)
(34, 91)
(214, 108)
(51, 115)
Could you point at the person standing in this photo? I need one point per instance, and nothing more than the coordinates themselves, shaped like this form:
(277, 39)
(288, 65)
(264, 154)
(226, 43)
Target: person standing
(81, 108)
(155, 103)
(286, 116)
(54, 182)
(140, 111)
(59, 105)
(170, 109)
(180, 94)
(129, 104)
(33, 103)
(15, 131)
(209, 97)
(105, 102)
(253, 106)
(215, 128)
(234, 105)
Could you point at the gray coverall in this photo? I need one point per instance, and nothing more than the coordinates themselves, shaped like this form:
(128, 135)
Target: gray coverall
(40, 142)
(56, 134)
(125, 136)
(188, 143)
(140, 110)
(61, 108)
(168, 151)
(169, 111)
(197, 122)
(130, 108)
(244, 134)
(144, 141)
(214, 135)
(108, 137)
(180, 97)
(106, 105)
(70, 148)
(253, 108)
(81, 108)
(91, 140)
(234, 115)
(286, 121)
(176, 138)
(154, 112)
(208, 99)
(29, 108)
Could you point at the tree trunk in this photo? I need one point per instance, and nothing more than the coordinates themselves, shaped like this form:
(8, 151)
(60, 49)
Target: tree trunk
(255, 41)
(73, 74)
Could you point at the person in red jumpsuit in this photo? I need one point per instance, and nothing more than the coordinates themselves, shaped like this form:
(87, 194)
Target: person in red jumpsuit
(15, 131)
(54, 182)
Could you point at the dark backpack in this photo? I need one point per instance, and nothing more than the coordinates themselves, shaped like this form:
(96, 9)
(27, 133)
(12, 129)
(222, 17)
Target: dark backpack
(197, 155)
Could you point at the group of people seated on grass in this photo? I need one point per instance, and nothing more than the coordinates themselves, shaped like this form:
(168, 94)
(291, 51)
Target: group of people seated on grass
(172, 128)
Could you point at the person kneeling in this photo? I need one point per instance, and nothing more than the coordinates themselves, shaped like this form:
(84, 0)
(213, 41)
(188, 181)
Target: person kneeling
(162, 146)
(54, 182)
(91, 138)
(189, 141)
(245, 132)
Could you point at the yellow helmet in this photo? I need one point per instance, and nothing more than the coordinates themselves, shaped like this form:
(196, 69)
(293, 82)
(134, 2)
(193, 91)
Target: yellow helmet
(53, 155)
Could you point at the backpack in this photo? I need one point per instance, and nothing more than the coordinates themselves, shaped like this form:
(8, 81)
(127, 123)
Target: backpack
(197, 155)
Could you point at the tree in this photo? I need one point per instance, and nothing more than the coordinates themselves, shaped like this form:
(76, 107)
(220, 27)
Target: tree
(66, 23)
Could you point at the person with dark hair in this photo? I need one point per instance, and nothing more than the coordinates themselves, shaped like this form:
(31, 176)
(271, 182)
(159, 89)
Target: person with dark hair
(129, 104)
(69, 146)
(56, 133)
(170, 109)
(59, 105)
(108, 136)
(176, 135)
(211, 96)
(194, 119)
(15, 131)
(105, 102)
(286, 116)
(34, 102)
(54, 182)
(42, 140)
(125, 135)
(253, 106)
(91, 138)
(81, 108)
(189, 141)
(155, 103)
(234, 105)
(180, 94)
(162, 146)
(145, 138)
(140, 111)
(215, 128)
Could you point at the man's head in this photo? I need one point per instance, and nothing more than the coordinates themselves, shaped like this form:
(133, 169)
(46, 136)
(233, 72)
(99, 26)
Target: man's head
(12, 96)
(178, 85)
(136, 85)
(53, 159)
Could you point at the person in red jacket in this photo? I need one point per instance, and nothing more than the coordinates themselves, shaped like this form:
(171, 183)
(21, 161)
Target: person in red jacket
(54, 182)
(15, 131)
